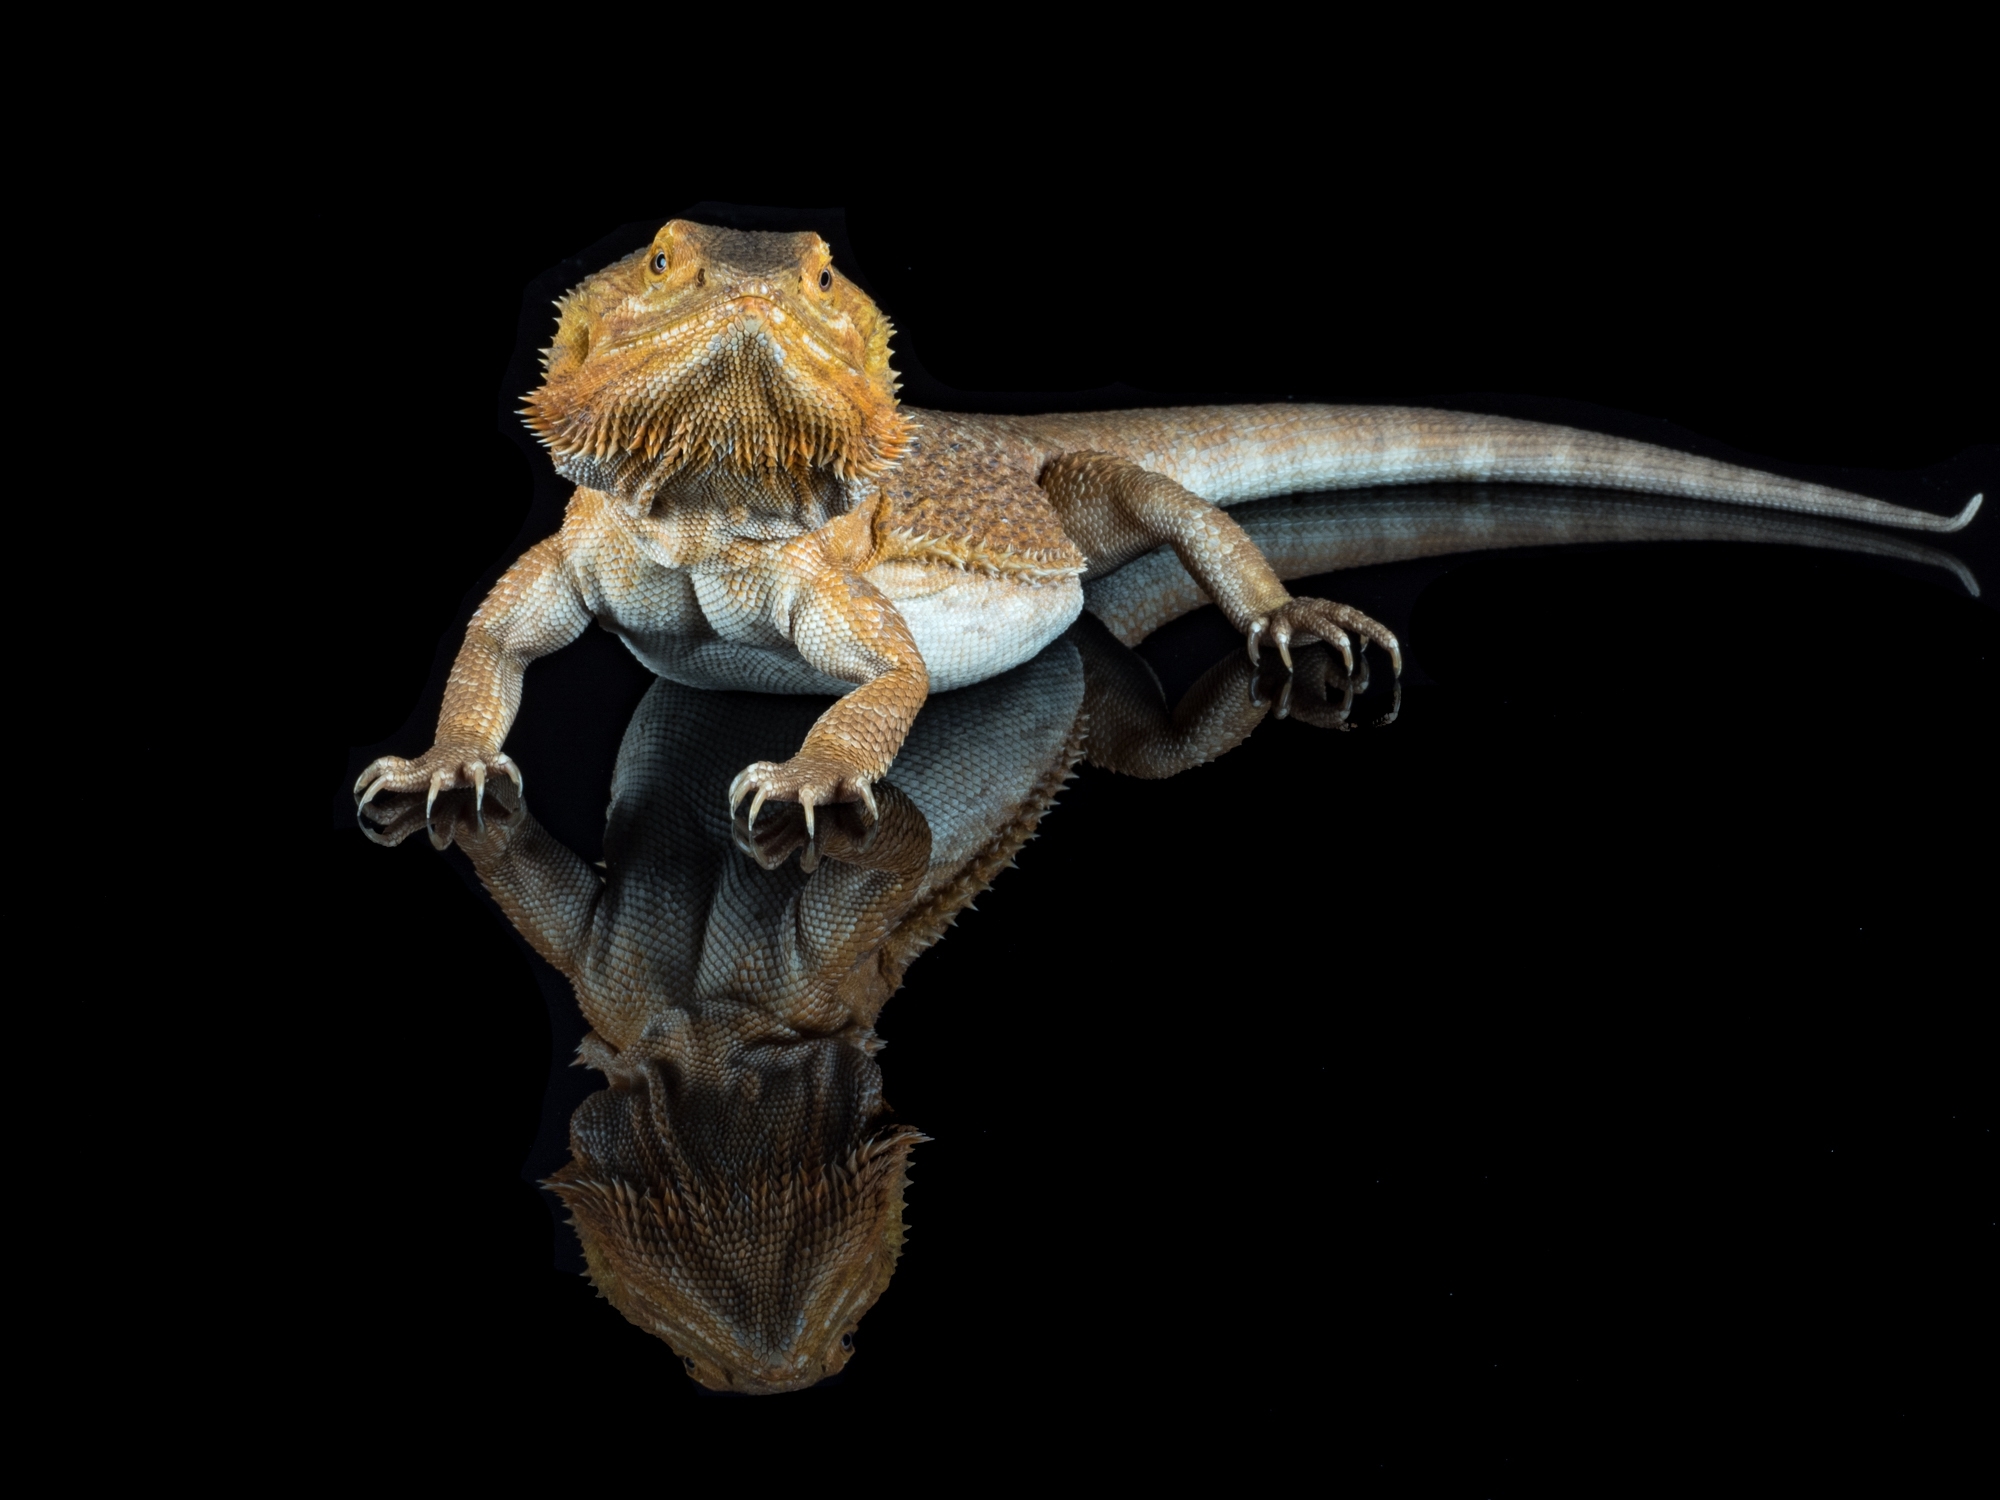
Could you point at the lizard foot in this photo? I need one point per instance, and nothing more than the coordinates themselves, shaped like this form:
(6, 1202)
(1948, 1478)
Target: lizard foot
(1305, 620)
(394, 816)
(807, 779)
(437, 770)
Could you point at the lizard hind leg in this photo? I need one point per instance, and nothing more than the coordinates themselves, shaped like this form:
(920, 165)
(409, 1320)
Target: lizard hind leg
(1118, 511)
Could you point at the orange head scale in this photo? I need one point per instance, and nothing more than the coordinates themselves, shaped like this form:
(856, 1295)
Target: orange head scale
(716, 347)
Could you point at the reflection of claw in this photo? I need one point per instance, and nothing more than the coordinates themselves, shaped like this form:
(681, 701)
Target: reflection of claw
(448, 816)
(1312, 692)
(1382, 720)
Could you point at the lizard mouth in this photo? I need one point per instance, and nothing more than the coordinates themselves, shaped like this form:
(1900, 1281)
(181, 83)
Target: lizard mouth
(739, 380)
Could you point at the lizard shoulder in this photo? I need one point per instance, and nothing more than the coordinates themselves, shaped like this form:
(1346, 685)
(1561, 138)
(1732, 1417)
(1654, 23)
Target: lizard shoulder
(966, 496)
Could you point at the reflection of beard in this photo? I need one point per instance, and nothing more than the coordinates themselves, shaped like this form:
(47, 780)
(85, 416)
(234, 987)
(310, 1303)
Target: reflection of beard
(744, 1205)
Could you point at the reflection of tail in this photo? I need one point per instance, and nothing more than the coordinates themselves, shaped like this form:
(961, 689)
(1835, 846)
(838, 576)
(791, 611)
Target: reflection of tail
(1325, 533)
(1228, 454)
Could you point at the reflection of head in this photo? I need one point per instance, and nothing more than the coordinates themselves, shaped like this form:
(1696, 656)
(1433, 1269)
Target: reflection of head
(739, 1201)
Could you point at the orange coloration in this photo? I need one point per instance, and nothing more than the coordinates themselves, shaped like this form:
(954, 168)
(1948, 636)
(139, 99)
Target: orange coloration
(716, 348)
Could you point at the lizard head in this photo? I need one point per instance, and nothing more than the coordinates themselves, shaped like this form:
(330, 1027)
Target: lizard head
(755, 1271)
(717, 347)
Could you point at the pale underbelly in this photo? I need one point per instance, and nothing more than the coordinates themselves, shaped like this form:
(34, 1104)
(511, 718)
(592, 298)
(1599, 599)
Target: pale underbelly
(968, 627)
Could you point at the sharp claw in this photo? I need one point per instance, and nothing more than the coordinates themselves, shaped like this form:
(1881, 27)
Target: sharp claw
(1347, 651)
(479, 791)
(1250, 640)
(1284, 652)
(513, 772)
(736, 790)
(868, 800)
(1395, 656)
(805, 801)
(373, 787)
(437, 785)
(755, 803)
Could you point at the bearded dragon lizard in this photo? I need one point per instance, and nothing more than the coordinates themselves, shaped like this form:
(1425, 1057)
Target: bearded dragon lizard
(755, 509)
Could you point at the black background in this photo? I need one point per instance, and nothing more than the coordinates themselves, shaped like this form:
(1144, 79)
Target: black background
(1593, 1050)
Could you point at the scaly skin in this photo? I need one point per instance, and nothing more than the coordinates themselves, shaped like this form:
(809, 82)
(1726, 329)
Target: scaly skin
(738, 1185)
(754, 509)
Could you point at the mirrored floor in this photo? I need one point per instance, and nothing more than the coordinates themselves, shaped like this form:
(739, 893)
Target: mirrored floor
(1317, 1029)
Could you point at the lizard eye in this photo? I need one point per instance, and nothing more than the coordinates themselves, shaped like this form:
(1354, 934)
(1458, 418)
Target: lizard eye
(687, 1360)
(826, 278)
(847, 1343)
(659, 261)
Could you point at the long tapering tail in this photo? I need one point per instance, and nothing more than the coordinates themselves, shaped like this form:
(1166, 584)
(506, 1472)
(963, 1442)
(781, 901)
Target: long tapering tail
(1319, 534)
(1228, 454)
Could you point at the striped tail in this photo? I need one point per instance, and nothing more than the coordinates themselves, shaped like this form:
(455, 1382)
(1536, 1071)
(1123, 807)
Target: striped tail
(1228, 454)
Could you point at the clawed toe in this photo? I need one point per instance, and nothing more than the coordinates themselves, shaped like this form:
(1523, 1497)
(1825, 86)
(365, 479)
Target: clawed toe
(1298, 620)
(808, 782)
(435, 772)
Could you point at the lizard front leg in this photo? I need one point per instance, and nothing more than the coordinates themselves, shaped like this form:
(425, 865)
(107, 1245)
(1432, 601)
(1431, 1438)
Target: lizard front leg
(847, 628)
(533, 610)
(1117, 511)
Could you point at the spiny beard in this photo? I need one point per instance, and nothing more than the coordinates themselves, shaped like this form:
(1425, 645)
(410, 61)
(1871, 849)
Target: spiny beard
(735, 407)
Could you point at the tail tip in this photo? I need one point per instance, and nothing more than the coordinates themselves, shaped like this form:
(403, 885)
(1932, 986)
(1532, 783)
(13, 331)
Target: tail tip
(1964, 518)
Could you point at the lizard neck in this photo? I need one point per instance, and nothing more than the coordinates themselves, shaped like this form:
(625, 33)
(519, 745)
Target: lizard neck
(692, 519)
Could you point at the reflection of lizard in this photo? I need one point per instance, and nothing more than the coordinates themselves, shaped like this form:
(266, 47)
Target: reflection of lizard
(755, 510)
(737, 1186)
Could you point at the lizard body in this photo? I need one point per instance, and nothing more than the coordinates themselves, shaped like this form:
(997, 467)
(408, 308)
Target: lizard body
(755, 509)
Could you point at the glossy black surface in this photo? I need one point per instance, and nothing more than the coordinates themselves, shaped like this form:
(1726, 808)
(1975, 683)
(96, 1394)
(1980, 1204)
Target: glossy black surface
(1605, 1032)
